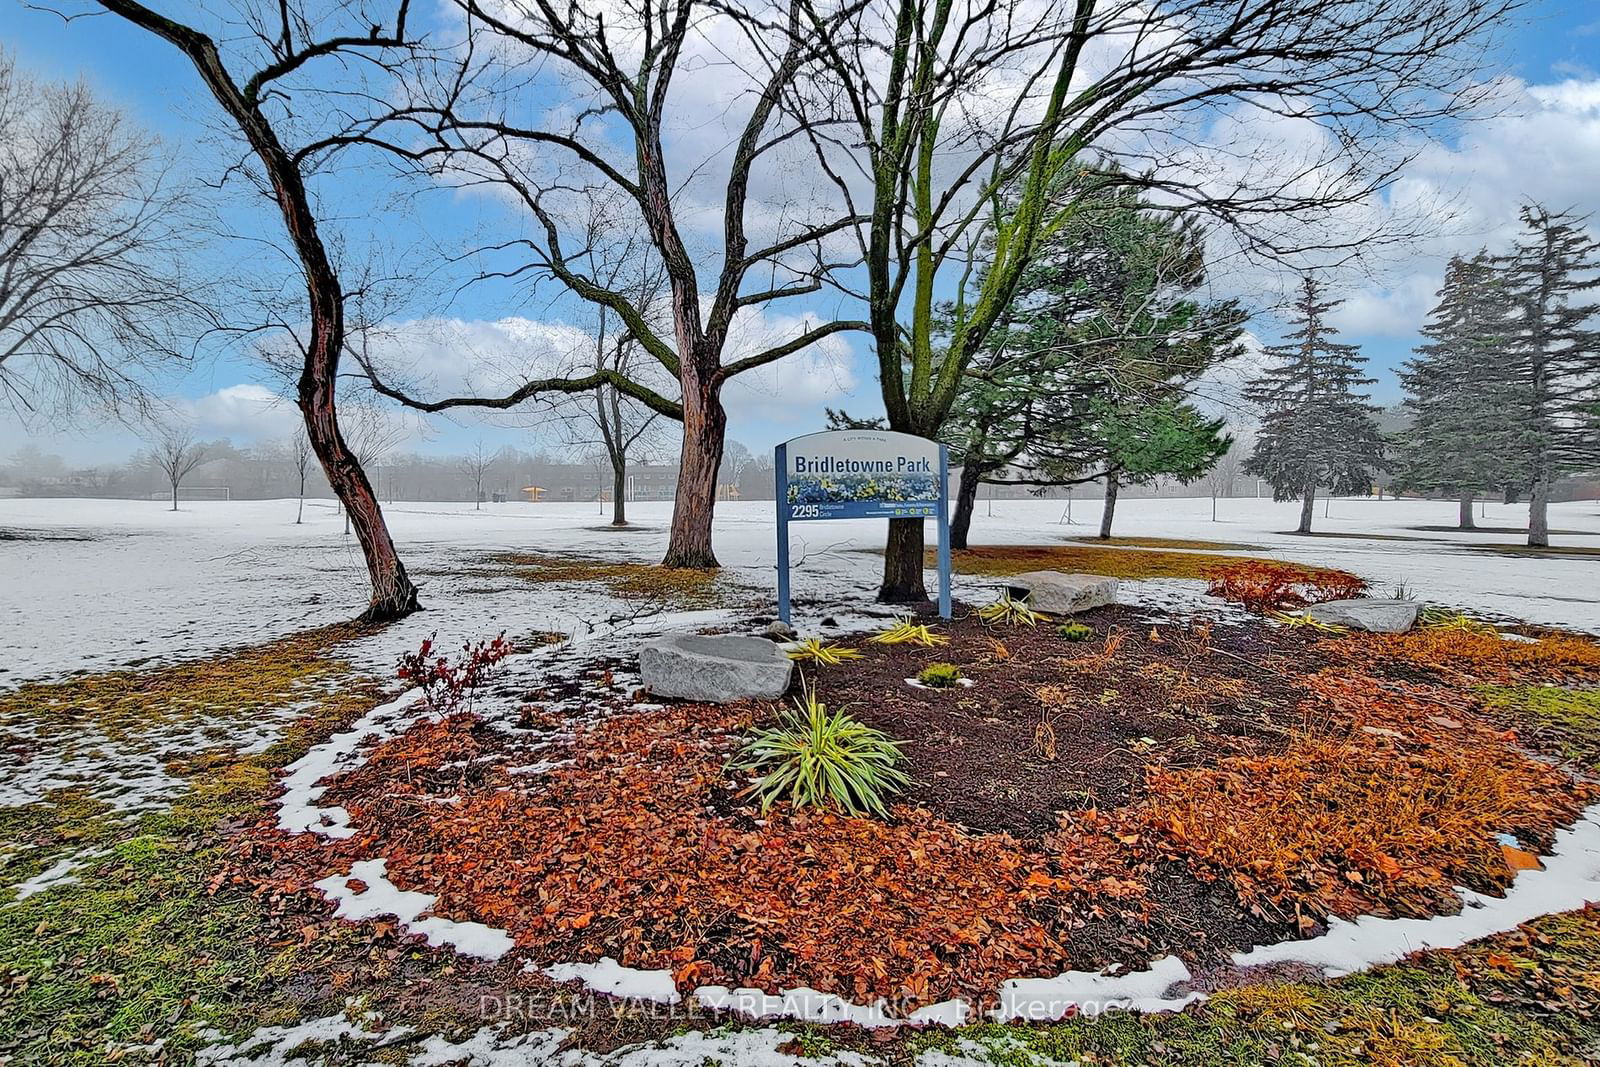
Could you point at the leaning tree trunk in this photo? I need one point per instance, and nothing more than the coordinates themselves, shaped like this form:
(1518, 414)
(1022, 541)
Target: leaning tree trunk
(1308, 499)
(705, 425)
(393, 595)
(1539, 512)
(1110, 509)
(1464, 517)
(966, 503)
(619, 485)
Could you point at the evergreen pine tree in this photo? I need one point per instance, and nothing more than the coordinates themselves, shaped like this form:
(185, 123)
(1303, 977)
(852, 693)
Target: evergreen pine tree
(1317, 428)
(1138, 444)
(1554, 349)
(1461, 394)
(1105, 332)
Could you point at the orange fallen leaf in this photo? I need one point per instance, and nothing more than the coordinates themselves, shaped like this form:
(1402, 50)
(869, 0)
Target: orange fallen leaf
(1520, 859)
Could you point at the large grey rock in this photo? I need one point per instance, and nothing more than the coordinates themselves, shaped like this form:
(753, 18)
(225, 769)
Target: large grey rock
(1378, 616)
(716, 669)
(1056, 593)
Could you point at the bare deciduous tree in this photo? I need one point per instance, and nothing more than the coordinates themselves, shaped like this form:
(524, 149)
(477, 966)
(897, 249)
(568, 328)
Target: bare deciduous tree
(177, 454)
(281, 44)
(300, 454)
(623, 429)
(93, 294)
(1222, 479)
(475, 465)
(622, 72)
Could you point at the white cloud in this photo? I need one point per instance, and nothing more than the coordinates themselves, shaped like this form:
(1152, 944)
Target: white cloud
(1394, 310)
(1542, 146)
(245, 413)
(449, 357)
(793, 391)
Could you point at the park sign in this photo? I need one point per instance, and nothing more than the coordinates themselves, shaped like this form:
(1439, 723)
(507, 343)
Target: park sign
(862, 474)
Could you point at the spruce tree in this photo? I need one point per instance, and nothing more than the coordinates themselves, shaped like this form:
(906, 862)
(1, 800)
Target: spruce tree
(1107, 328)
(1461, 394)
(1317, 427)
(1554, 348)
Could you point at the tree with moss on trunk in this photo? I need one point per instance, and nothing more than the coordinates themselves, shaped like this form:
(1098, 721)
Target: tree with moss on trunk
(1462, 395)
(1317, 426)
(951, 122)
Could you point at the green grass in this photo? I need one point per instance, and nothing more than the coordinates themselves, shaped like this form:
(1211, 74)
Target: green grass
(149, 942)
(1522, 998)
(1570, 717)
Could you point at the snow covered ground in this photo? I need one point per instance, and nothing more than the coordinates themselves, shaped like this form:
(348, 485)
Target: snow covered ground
(97, 584)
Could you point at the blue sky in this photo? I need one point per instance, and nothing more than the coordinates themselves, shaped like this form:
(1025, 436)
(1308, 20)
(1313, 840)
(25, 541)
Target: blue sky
(1547, 148)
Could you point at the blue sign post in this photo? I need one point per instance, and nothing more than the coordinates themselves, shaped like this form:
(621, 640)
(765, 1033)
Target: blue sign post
(862, 474)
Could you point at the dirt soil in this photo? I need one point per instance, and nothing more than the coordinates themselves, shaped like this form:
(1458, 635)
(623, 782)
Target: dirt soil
(981, 755)
(1022, 846)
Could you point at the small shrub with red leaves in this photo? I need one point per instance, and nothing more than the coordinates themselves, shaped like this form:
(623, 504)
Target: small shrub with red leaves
(1264, 586)
(449, 684)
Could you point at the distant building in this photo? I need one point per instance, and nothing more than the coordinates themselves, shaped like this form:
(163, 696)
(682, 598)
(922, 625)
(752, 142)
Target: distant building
(588, 482)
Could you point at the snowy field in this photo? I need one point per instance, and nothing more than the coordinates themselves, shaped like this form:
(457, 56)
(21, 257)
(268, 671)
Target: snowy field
(97, 584)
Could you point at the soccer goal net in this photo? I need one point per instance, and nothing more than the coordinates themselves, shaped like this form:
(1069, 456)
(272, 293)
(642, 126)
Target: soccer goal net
(202, 492)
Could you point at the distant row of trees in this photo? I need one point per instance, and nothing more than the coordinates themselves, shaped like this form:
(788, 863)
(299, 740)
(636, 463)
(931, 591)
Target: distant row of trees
(1502, 397)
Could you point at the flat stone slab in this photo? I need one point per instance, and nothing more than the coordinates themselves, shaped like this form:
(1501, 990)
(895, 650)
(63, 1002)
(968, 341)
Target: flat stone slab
(1376, 616)
(714, 668)
(1057, 593)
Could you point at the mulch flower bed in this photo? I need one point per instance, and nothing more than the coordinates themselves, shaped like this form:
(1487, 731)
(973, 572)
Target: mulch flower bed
(1167, 786)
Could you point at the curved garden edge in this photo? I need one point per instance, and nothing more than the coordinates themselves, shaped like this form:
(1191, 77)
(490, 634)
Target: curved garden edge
(1569, 880)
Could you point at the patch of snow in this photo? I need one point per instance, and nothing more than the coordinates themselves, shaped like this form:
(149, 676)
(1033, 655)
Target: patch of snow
(746, 1048)
(162, 586)
(1092, 992)
(382, 897)
(490, 1047)
(298, 811)
(813, 1006)
(59, 874)
(1570, 879)
(544, 767)
(276, 1046)
(609, 976)
(962, 683)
